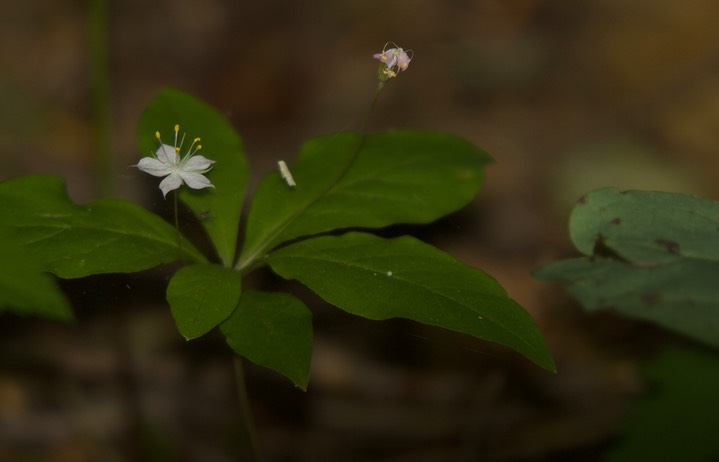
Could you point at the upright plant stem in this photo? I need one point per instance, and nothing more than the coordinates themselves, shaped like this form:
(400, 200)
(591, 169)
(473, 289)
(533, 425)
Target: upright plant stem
(245, 264)
(176, 212)
(370, 110)
(99, 75)
(177, 220)
(248, 436)
(100, 96)
(363, 132)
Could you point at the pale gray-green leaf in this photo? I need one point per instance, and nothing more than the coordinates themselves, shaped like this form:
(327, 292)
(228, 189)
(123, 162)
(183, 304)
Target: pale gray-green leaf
(649, 255)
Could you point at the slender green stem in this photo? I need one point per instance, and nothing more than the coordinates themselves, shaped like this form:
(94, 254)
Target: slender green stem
(177, 220)
(100, 96)
(363, 133)
(250, 260)
(250, 449)
(370, 110)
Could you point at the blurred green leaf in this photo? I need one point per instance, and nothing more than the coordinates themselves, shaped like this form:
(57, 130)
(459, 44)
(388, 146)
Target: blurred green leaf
(678, 417)
(273, 330)
(219, 208)
(25, 289)
(386, 278)
(105, 236)
(202, 296)
(650, 255)
(646, 227)
(396, 177)
(681, 295)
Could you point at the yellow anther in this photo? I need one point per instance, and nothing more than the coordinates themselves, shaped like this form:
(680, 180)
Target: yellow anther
(199, 146)
(157, 135)
(177, 149)
(177, 128)
(196, 140)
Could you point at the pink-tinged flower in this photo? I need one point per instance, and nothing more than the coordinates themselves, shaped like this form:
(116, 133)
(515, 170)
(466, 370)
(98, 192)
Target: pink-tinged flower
(393, 60)
(168, 163)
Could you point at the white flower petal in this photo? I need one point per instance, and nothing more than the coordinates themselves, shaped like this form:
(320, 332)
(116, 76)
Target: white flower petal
(393, 55)
(173, 181)
(167, 155)
(199, 164)
(195, 180)
(169, 163)
(154, 167)
(403, 60)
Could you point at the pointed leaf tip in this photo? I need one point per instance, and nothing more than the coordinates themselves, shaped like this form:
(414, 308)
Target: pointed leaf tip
(385, 278)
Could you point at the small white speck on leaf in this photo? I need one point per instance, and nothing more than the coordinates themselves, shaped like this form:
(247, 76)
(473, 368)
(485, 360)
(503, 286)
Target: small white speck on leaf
(286, 174)
(389, 273)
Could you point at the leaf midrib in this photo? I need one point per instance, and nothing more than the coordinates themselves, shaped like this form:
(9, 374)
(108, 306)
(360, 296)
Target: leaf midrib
(423, 288)
(336, 186)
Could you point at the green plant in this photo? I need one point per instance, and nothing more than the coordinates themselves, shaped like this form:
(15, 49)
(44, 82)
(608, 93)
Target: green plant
(313, 223)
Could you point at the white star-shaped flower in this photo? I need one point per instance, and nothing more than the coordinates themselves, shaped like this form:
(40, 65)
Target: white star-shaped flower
(168, 163)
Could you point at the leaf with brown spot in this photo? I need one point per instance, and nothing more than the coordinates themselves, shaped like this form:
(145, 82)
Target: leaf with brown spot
(660, 265)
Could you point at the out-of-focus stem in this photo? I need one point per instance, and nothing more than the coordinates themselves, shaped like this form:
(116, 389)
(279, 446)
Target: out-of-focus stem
(251, 452)
(100, 96)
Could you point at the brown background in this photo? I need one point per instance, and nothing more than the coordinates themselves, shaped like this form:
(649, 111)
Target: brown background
(566, 95)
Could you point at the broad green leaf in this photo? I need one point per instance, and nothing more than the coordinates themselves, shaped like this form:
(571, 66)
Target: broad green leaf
(396, 177)
(678, 416)
(273, 330)
(218, 208)
(25, 289)
(387, 278)
(650, 255)
(70, 240)
(202, 296)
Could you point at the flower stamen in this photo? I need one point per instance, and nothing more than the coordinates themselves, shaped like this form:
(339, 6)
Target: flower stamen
(177, 130)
